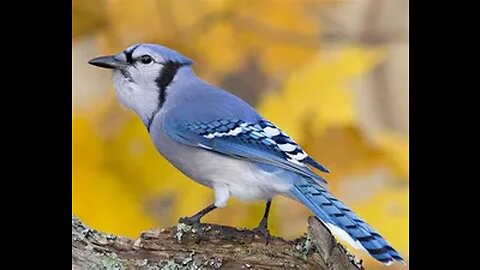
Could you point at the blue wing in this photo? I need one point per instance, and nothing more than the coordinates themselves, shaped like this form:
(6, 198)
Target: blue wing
(257, 140)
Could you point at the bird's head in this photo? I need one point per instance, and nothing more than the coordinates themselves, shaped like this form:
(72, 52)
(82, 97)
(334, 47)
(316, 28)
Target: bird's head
(142, 75)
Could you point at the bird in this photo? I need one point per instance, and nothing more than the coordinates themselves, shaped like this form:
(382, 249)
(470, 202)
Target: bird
(220, 141)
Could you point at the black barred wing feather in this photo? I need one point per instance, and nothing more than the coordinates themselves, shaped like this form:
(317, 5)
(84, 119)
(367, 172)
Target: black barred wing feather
(258, 141)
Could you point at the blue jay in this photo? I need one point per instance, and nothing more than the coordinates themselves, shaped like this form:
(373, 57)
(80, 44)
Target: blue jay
(221, 142)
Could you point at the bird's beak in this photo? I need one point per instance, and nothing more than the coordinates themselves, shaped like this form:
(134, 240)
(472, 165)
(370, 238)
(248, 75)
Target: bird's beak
(109, 61)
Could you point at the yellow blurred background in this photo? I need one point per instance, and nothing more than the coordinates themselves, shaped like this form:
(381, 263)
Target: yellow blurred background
(331, 74)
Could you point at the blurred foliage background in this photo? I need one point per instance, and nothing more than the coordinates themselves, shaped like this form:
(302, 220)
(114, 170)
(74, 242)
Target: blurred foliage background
(332, 74)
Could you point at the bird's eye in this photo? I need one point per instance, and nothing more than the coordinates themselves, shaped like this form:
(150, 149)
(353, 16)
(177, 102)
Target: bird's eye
(146, 59)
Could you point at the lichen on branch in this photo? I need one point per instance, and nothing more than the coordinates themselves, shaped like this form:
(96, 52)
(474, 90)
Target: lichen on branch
(209, 246)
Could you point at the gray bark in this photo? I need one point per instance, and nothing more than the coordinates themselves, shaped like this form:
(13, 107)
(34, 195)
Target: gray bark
(218, 247)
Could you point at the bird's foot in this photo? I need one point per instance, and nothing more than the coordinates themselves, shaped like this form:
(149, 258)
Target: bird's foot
(197, 227)
(189, 220)
(262, 229)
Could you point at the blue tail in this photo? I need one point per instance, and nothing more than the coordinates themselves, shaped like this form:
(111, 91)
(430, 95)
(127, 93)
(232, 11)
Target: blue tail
(344, 222)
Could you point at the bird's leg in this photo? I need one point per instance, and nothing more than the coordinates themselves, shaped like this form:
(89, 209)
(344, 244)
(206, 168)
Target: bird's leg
(195, 219)
(262, 228)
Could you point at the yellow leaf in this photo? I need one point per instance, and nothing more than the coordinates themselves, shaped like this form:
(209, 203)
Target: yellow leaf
(395, 148)
(318, 93)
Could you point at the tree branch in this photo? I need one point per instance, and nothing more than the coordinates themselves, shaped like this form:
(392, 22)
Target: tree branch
(218, 247)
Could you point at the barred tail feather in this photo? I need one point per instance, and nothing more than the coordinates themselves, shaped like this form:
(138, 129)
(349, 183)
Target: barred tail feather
(343, 222)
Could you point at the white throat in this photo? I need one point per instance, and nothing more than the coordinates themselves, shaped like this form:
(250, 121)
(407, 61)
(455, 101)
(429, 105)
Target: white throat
(142, 100)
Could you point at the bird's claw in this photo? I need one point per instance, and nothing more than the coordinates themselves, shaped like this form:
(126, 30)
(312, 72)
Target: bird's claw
(189, 220)
(263, 230)
(196, 225)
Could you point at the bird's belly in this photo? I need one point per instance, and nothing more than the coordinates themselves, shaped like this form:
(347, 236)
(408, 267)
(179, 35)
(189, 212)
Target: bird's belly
(243, 179)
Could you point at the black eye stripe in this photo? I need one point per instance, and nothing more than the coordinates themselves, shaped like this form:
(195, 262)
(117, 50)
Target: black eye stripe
(128, 54)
